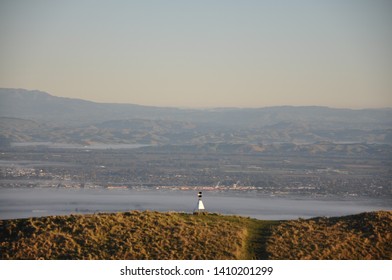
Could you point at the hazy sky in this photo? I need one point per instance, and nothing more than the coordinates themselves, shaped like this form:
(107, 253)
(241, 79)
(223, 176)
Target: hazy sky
(201, 53)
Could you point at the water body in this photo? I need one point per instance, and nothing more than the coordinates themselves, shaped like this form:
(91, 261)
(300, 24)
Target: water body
(94, 146)
(25, 203)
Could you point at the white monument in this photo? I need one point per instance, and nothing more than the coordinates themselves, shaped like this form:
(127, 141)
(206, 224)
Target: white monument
(200, 206)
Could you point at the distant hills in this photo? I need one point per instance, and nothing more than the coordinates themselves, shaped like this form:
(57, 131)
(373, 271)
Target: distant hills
(283, 149)
(38, 116)
(41, 106)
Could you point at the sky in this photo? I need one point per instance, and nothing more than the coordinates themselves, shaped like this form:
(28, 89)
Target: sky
(202, 53)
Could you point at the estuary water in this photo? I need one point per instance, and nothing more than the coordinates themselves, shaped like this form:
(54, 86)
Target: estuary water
(36, 202)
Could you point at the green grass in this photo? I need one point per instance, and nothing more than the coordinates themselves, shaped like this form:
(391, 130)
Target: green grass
(161, 236)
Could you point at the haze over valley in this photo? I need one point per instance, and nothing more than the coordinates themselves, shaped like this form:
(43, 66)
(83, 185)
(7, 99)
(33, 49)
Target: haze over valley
(34, 116)
(311, 153)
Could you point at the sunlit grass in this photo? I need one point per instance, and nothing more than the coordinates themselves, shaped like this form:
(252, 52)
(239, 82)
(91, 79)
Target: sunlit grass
(162, 236)
(362, 236)
(129, 235)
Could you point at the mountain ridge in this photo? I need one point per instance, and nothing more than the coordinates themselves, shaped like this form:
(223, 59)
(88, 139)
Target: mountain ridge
(35, 101)
(80, 121)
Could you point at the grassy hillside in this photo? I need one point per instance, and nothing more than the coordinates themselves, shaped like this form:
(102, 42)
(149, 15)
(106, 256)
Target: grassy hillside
(130, 235)
(364, 236)
(154, 235)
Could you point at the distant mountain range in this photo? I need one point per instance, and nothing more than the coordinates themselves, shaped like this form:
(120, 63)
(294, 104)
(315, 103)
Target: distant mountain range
(38, 116)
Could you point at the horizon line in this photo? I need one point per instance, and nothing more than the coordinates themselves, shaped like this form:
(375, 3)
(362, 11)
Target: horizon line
(201, 107)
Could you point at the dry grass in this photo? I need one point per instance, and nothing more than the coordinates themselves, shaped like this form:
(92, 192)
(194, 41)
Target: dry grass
(363, 236)
(154, 235)
(130, 235)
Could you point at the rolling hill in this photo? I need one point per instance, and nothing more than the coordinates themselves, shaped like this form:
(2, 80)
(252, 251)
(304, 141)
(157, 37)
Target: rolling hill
(154, 235)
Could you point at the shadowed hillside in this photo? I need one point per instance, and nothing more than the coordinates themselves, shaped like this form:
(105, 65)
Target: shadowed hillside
(365, 236)
(154, 235)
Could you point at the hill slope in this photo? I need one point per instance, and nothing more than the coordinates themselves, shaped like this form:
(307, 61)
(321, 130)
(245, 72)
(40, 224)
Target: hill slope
(363, 236)
(130, 235)
(154, 235)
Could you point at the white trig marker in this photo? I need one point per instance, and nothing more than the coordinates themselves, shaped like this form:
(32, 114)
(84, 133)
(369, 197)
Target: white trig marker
(200, 205)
